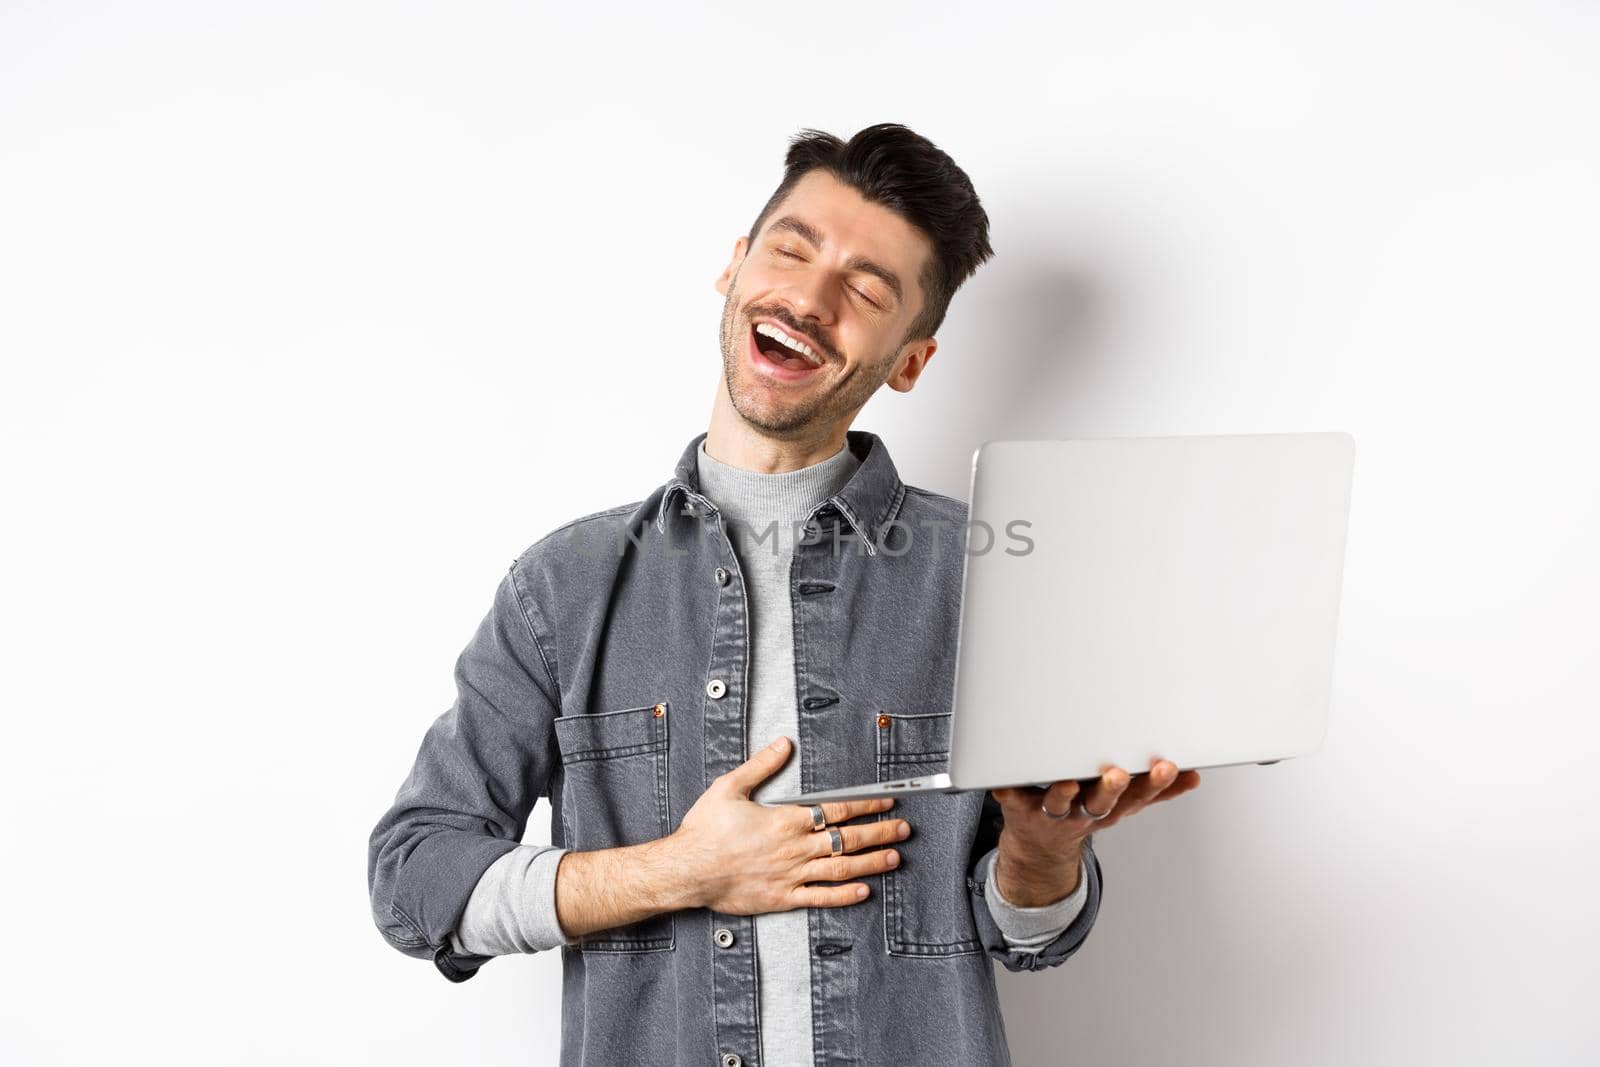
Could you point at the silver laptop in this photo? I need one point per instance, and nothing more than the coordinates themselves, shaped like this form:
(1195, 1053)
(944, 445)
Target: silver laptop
(1180, 599)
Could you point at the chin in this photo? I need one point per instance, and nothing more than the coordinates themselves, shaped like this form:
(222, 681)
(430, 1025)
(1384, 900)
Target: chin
(769, 418)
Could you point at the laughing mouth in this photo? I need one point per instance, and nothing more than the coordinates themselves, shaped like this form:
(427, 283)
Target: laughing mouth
(785, 348)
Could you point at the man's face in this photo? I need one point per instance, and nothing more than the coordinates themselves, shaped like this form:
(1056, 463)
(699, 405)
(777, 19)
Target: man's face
(838, 274)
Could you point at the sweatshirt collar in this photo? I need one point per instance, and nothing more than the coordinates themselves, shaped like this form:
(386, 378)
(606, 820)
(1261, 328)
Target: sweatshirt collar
(867, 502)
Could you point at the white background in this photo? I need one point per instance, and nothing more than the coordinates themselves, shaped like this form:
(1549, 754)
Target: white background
(314, 315)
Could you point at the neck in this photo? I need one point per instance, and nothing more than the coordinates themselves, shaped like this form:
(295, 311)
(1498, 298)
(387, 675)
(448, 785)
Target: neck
(732, 440)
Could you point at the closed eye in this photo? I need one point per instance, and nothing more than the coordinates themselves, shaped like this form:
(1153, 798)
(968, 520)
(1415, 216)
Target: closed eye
(853, 289)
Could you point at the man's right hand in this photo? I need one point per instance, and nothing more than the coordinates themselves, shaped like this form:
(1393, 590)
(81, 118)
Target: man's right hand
(731, 854)
(746, 858)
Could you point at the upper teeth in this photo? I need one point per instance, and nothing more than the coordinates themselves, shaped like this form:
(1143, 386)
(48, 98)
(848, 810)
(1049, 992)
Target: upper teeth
(768, 330)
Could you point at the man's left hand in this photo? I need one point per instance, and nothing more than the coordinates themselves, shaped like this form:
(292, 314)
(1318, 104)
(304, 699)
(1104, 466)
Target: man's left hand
(1040, 853)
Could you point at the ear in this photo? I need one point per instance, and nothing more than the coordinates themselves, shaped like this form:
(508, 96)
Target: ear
(740, 246)
(913, 361)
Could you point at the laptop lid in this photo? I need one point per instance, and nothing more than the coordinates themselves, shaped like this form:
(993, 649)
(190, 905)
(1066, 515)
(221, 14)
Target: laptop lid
(1148, 596)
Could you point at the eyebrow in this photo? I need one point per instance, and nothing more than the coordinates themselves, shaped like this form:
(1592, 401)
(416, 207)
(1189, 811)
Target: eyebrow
(862, 263)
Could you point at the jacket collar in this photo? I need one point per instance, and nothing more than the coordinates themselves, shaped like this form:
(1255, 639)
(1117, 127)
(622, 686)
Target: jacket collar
(868, 501)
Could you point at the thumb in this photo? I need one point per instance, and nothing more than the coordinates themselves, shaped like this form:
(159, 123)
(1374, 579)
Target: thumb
(758, 768)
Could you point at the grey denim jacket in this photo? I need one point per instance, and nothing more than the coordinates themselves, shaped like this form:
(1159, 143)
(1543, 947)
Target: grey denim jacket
(610, 675)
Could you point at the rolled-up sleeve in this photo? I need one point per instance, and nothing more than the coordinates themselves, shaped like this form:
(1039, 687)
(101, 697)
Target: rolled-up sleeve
(1030, 928)
(481, 766)
(1028, 956)
(513, 909)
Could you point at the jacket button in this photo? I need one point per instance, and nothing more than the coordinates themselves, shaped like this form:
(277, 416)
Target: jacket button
(715, 688)
(721, 575)
(731, 1059)
(812, 532)
(723, 937)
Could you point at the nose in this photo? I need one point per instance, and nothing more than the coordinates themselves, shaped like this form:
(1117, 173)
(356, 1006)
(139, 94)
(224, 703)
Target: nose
(807, 298)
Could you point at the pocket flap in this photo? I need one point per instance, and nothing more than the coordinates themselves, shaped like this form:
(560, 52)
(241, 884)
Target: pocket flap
(914, 738)
(612, 733)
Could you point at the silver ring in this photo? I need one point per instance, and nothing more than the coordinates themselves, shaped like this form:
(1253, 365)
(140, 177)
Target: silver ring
(818, 820)
(1064, 815)
(1085, 810)
(835, 841)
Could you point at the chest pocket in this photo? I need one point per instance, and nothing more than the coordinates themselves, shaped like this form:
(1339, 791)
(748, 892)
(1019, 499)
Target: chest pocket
(926, 909)
(614, 793)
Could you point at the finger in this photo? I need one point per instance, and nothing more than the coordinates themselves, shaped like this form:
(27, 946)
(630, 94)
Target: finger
(1103, 795)
(1163, 772)
(1185, 782)
(1160, 783)
(829, 896)
(1146, 786)
(843, 868)
(845, 810)
(1059, 797)
(1129, 804)
(758, 768)
(1018, 800)
(864, 835)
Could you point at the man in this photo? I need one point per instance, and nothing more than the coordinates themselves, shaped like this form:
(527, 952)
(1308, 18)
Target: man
(780, 615)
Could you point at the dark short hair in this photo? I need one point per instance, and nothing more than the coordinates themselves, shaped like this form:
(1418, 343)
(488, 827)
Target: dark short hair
(891, 165)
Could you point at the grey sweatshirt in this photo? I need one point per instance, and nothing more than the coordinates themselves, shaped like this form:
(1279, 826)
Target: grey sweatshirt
(512, 909)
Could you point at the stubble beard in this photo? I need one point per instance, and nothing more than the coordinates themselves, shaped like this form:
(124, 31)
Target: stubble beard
(803, 415)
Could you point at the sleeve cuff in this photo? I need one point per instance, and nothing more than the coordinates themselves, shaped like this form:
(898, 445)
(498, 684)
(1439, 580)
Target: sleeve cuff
(1031, 929)
(513, 907)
